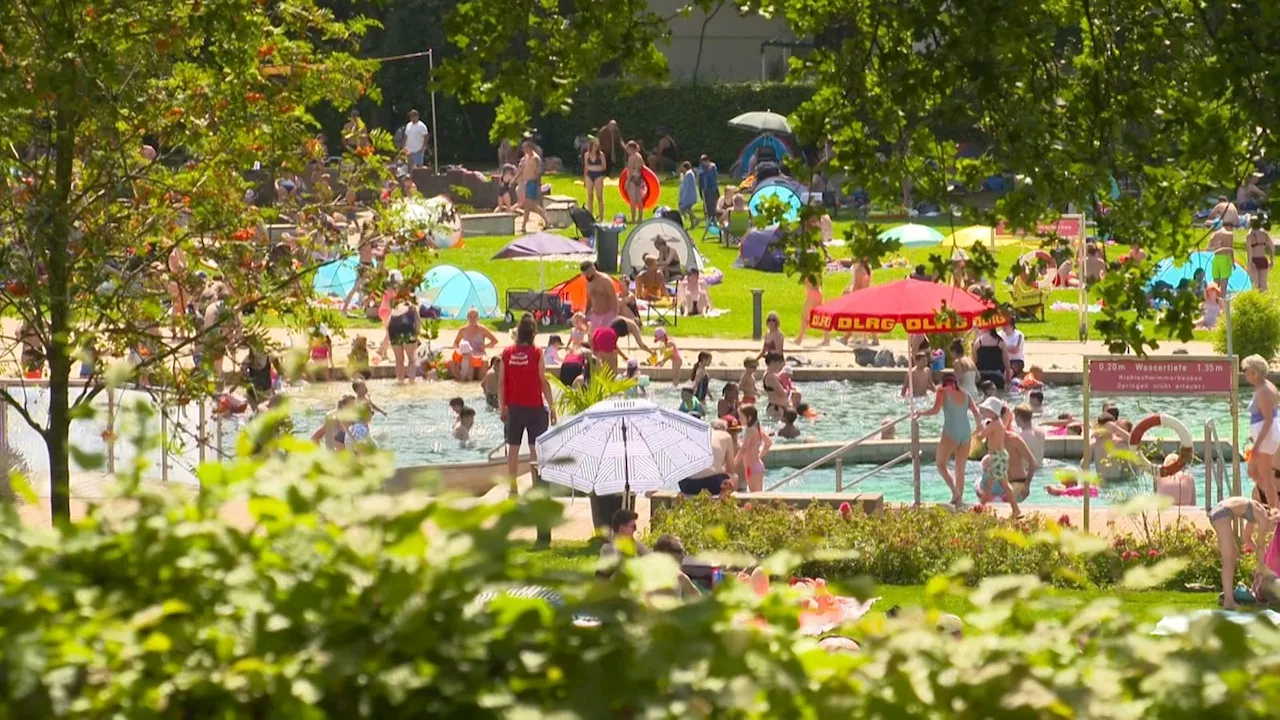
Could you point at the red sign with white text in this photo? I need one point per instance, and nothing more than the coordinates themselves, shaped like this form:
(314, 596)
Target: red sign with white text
(1174, 376)
(1067, 228)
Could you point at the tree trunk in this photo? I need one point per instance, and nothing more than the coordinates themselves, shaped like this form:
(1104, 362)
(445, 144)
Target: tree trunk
(57, 249)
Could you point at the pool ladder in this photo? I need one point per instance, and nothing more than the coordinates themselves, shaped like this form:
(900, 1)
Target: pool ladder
(838, 456)
(1215, 466)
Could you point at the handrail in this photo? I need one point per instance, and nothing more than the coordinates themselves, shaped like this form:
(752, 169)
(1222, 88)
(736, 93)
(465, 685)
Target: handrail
(1215, 465)
(837, 452)
(892, 463)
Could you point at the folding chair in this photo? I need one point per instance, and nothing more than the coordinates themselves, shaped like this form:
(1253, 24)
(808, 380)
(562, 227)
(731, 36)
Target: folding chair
(738, 225)
(662, 312)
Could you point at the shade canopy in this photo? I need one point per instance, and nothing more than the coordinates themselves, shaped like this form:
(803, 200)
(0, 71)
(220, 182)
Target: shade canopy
(540, 244)
(621, 445)
(762, 121)
(912, 235)
(915, 305)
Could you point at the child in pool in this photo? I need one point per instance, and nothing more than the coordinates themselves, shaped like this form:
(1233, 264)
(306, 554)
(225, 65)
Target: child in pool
(755, 445)
(995, 436)
(578, 335)
(789, 431)
(489, 384)
(1033, 379)
(322, 346)
(665, 351)
(701, 380)
(919, 380)
(689, 402)
(747, 383)
(550, 357)
(362, 398)
(358, 359)
(457, 405)
(633, 373)
(462, 427)
(887, 429)
(729, 402)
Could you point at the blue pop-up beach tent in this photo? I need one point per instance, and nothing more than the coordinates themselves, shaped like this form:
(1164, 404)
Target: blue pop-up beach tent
(454, 292)
(337, 278)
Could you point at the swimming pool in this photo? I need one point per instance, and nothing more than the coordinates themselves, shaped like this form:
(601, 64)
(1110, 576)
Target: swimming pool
(418, 425)
(895, 484)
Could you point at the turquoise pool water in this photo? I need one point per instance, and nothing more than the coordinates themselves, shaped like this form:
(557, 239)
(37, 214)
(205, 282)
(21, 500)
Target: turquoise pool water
(418, 425)
(895, 484)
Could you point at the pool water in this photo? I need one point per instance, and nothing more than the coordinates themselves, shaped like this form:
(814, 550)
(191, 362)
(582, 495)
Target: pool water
(895, 484)
(418, 426)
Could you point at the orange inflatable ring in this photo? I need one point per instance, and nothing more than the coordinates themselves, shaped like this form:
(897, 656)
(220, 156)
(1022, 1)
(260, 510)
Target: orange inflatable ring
(651, 188)
(1185, 449)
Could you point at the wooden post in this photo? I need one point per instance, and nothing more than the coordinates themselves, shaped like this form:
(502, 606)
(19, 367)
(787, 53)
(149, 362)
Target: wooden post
(840, 474)
(201, 430)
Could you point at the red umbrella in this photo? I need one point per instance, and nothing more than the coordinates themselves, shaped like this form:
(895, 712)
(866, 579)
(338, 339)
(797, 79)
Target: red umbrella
(916, 305)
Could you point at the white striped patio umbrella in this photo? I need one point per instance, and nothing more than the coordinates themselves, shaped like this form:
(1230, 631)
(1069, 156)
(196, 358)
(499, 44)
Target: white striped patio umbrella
(620, 446)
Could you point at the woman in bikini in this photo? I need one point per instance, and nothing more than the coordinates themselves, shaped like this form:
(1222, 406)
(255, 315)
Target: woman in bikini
(956, 407)
(636, 186)
(755, 444)
(594, 170)
(1262, 253)
(775, 391)
(1255, 514)
(1264, 428)
(774, 340)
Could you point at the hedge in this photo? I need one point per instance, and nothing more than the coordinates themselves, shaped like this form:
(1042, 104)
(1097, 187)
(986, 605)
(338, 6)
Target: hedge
(910, 546)
(697, 116)
(337, 601)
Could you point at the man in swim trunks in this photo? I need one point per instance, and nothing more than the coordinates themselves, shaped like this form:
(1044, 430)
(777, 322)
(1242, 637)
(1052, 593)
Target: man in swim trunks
(529, 175)
(602, 296)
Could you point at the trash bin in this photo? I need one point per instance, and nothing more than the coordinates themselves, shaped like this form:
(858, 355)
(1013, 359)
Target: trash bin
(607, 248)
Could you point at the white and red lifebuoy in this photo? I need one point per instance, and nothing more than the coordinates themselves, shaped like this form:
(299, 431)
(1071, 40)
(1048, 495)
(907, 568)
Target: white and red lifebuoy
(1185, 448)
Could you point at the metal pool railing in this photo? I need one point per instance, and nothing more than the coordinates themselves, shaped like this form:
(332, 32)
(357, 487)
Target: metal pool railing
(204, 429)
(838, 456)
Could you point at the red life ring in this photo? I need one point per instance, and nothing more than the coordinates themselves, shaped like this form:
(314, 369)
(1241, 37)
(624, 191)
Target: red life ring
(651, 188)
(1185, 449)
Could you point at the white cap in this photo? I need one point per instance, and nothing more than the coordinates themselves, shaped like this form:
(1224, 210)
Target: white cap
(786, 370)
(992, 405)
(464, 348)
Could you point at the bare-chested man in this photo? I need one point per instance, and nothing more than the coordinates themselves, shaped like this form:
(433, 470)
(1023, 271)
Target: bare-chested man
(530, 176)
(602, 296)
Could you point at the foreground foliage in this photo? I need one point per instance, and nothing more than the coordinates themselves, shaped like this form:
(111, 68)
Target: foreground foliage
(291, 587)
(909, 547)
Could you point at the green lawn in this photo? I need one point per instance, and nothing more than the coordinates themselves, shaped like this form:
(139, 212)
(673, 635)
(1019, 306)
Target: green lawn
(781, 293)
(1148, 606)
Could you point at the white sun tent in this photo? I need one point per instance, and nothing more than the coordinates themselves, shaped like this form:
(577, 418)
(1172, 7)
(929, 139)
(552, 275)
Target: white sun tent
(454, 292)
(641, 243)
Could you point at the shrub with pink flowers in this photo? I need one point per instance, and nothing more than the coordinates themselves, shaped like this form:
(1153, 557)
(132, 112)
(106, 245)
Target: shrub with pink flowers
(910, 546)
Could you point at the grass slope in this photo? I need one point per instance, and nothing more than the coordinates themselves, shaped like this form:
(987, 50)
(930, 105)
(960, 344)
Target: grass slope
(781, 293)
